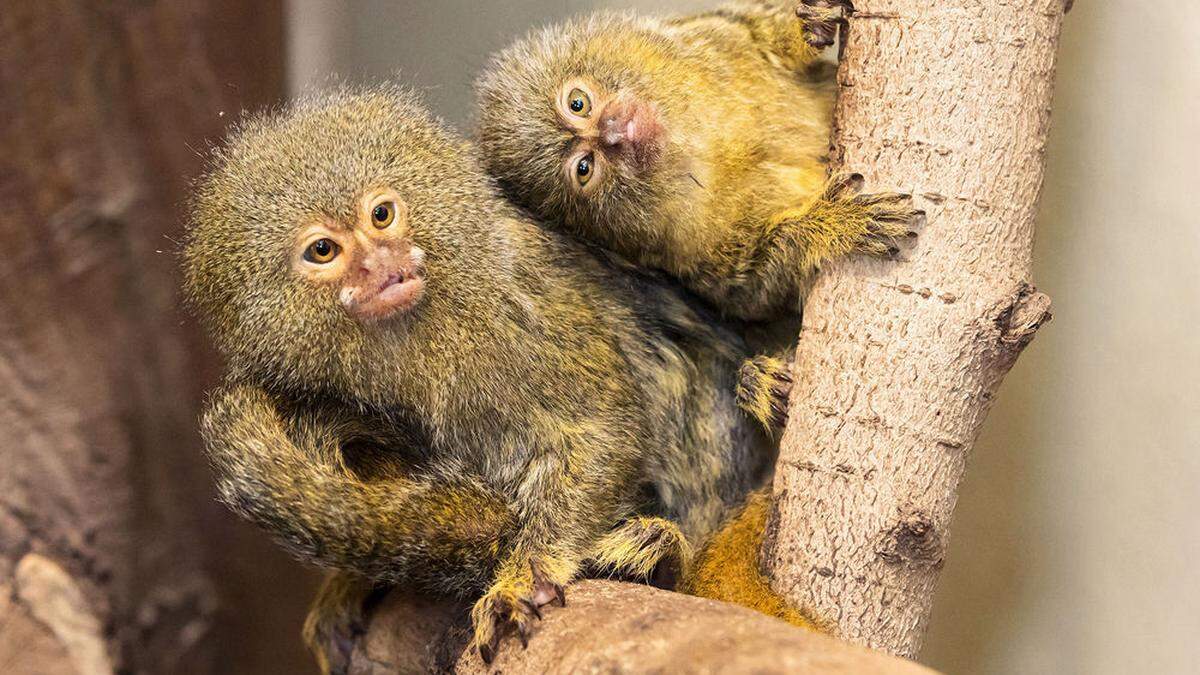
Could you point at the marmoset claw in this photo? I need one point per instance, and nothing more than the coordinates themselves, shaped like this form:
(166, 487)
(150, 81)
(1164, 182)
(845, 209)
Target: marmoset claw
(822, 19)
(513, 606)
(764, 386)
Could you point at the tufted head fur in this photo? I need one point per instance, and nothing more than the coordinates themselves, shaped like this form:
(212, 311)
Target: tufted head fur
(285, 169)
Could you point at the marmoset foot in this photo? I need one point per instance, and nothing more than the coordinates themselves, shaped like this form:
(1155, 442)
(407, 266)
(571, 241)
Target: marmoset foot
(513, 605)
(764, 385)
(646, 548)
(889, 220)
(822, 18)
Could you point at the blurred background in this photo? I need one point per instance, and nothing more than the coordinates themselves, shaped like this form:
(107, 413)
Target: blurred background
(1076, 541)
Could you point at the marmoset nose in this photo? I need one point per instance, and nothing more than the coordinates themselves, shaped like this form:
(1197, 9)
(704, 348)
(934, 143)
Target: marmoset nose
(616, 126)
(631, 125)
(631, 130)
(388, 256)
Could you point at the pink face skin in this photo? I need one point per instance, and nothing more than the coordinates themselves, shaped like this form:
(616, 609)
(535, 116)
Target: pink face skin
(610, 128)
(378, 271)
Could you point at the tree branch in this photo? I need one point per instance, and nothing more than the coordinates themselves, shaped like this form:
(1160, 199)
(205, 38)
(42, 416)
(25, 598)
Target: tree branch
(612, 627)
(898, 363)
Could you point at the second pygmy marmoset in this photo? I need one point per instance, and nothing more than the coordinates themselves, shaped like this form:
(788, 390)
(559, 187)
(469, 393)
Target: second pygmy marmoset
(696, 145)
(366, 284)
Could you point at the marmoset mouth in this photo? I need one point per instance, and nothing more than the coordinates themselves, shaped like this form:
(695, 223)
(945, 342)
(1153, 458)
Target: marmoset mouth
(393, 279)
(399, 293)
(393, 282)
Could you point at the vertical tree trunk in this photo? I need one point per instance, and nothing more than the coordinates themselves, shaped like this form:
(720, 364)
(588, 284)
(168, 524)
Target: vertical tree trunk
(898, 363)
(105, 506)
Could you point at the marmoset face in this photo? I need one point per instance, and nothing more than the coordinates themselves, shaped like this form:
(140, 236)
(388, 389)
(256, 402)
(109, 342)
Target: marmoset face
(613, 132)
(332, 229)
(581, 122)
(370, 260)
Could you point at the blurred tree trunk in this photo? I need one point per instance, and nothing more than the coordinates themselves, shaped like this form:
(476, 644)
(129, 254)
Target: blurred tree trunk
(109, 537)
(898, 363)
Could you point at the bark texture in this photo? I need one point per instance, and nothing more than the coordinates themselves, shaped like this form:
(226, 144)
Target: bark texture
(108, 532)
(898, 363)
(613, 627)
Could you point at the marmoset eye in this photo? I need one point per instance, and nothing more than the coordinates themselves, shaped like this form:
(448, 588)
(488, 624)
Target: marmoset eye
(584, 169)
(579, 102)
(322, 251)
(383, 215)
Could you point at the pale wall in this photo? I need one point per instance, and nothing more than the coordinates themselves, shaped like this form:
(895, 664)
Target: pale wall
(1077, 545)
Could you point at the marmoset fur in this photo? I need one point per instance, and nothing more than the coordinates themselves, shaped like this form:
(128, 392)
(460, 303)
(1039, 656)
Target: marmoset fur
(516, 401)
(350, 490)
(696, 145)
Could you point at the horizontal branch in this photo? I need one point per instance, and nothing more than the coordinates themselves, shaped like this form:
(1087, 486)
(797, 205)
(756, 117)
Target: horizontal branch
(611, 627)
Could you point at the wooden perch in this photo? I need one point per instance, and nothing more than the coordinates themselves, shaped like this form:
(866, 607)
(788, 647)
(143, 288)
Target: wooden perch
(612, 627)
(898, 363)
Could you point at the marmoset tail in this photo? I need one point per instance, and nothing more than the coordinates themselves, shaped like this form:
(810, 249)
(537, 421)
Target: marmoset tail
(726, 568)
(696, 145)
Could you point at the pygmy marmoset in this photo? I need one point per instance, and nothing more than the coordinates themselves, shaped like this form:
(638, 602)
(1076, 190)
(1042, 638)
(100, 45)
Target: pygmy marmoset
(696, 145)
(516, 402)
